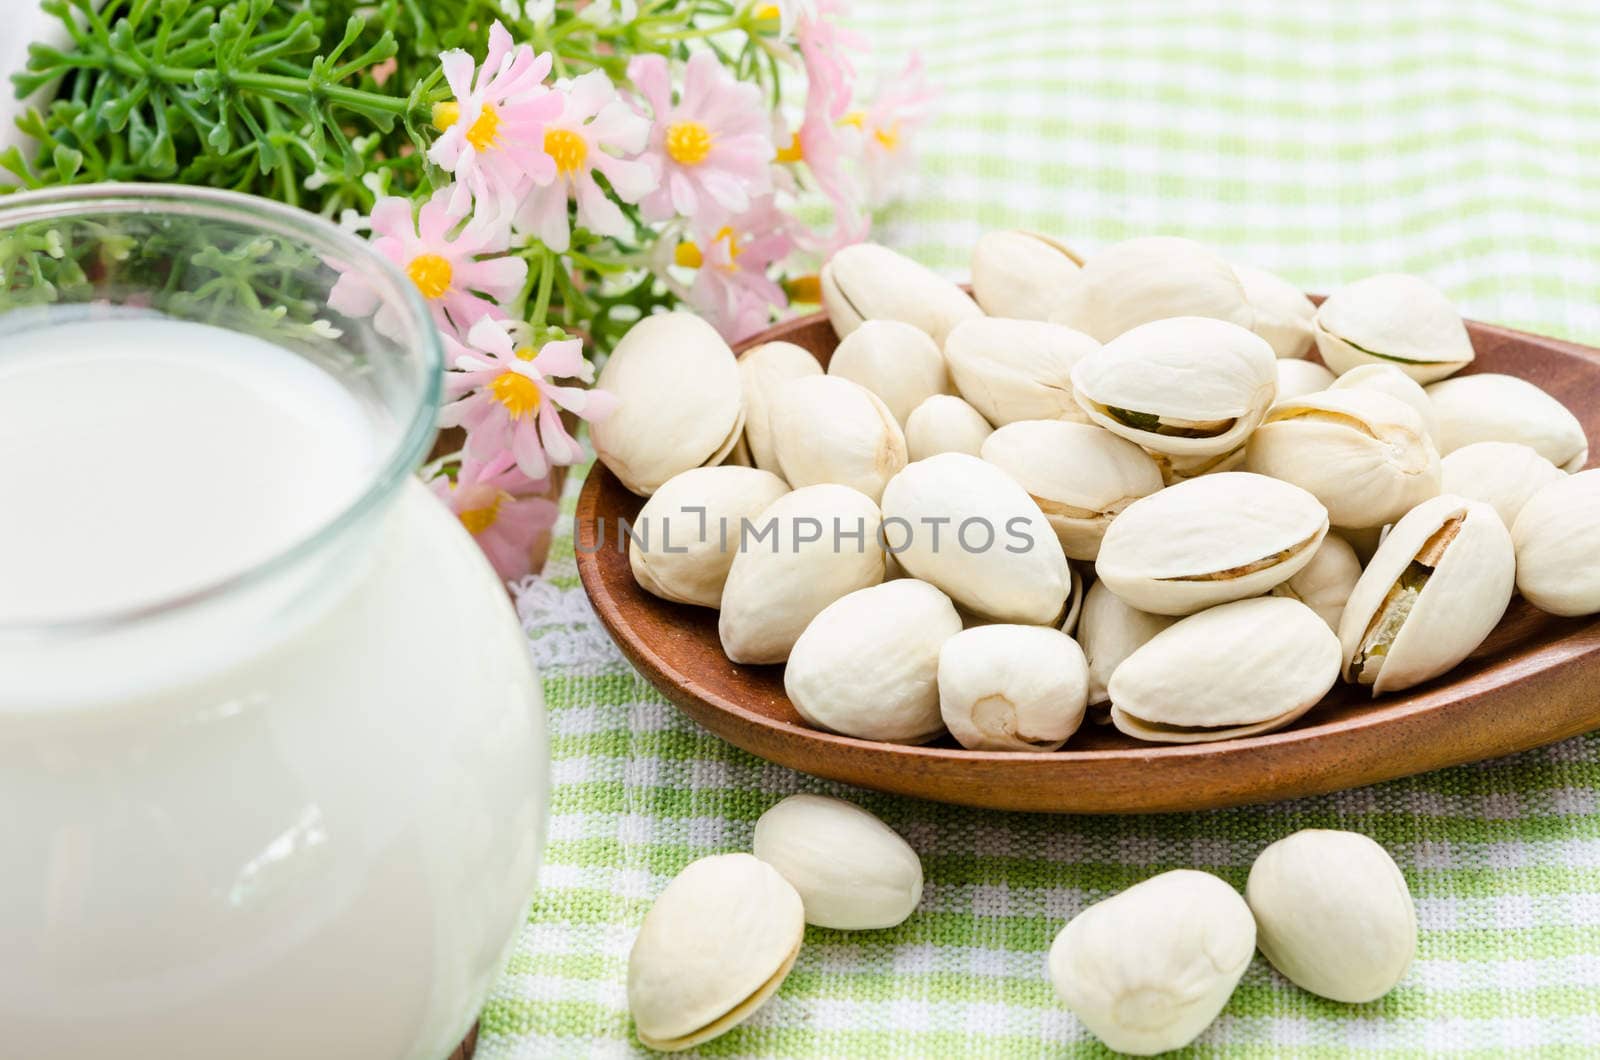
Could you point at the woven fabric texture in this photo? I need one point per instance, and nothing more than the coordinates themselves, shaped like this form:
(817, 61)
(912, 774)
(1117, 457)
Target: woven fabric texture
(1455, 139)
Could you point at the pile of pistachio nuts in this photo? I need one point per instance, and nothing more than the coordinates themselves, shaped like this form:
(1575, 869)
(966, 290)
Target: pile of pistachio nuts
(1112, 487)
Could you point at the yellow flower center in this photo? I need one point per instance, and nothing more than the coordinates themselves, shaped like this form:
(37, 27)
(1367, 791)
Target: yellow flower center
(889, 137)
(485, 129)
(446, 115)
(734, 249)
(688, 255)
(858, 118)
(566, 148)
(518, 393)
(768, 13)
(431, 274)
(793, 152)
(688, 142)
(477, 520)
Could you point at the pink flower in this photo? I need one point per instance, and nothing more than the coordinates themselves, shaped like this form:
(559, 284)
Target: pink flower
(591, 123)
(712, 147)
(509, 402)
(887, 128)
(445, 268)
(492, 500)
(731, 286)
(825, 48)
(494, 131)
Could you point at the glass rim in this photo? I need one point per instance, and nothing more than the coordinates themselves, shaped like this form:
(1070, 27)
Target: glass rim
(268, 217)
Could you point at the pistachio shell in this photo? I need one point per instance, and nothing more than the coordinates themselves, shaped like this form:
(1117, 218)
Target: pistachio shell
(1013, 370)
(1390, 379)
(895, 361)
(684, 538)
(1366, 541)
(1012, 688)
(827, 429)
(1188, 386)
(1149, 969)
(867, 281)
(1151, 278)
(1109, 631)
(1242, 668)
(1501, 474)
(853, 872)
(945, 424)
(966, 527)
(1210, 540)
(678, 401)
(1489, 407)
(866, 665)
(1434, 590)
(762, 372)
(1393, 318)
(715, 945)
(1326, 582)
(1283, 313)
(1299, 378)
(1333, 914)
(795, 558)
(1175, 469)
(1021, 274)
(1080, 476)
(1069, 623)
(1558, 547)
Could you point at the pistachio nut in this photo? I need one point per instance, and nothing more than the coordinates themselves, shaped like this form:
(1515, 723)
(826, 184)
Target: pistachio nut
(1151, 278)
(866, 665)
(804, 551)
(1490, 407)
(868, 281)
(1501, 474)
(1021, 274)
(945, 424)
(852, 871)
(1299, 378)
(1365, 455)
(678, 401)
(966, 527)
(896, 361)
(1238, 669)
(1325, 583)
(1394, 318)
(1283, 313)
(715, 945)
(1434, 590)
(1333, 914)
(1109, 631)
(1188, 386)
(1390, 379)
(827, 429)
(1149, 969)
(684, 538)
(1013, 370)
(1558, 548)
(1175, 469)
(762, 372)
(1012, 688)
(1080, 476)
(1209, 540)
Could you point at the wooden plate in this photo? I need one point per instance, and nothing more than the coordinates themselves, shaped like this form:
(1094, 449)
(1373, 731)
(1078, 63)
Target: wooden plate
(1536, 680)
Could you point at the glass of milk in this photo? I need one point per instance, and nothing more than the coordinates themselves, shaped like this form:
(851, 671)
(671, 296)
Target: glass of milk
(272, 756)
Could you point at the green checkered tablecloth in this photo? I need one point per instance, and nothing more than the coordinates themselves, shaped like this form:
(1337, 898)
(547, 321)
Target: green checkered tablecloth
(1453, 138)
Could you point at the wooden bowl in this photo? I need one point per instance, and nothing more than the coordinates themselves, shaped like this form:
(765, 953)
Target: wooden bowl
(1534, 681)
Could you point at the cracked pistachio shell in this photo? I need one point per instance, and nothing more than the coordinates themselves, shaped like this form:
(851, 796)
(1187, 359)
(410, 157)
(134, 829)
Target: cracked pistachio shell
(1012, 688)
(1149, 969)
(1013, 370)
(1188, 386)
(1558, 546)
(679, 402)
(1298, 378)
(1080, 476)
(1175, 469)
(1333, 914)
(762, 372)
(1389, 379)
(1151, 278)
(868, 281)
(1502, 408)
(853, 872)
(896, 361)
(1239, 669)
(1283, 313)
(964, 526)
(945, 424)
(1326, 582)
(827, 429)
(1434, 590)
(715, 945)
(685, 536)
(1365, 455)
(866, 665)
(1210, 540)
(1396, 319)
(797, 557)
(1501, 474)
(1021, 274)
(1109, 631)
